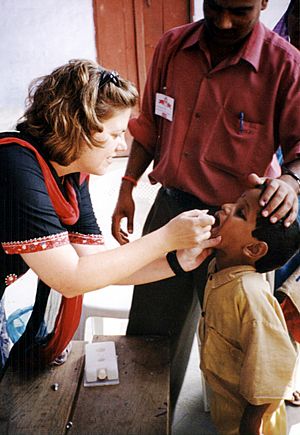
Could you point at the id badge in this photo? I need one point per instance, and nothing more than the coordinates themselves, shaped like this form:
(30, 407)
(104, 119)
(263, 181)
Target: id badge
(164, 106)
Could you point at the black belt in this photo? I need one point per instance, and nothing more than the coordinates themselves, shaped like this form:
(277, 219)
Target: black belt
(188, 200)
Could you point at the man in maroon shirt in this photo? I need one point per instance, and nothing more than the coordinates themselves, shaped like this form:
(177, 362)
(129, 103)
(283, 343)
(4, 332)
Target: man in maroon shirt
(221, 96)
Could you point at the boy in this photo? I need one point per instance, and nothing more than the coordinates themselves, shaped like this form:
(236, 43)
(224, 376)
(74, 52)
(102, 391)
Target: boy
(247, 356)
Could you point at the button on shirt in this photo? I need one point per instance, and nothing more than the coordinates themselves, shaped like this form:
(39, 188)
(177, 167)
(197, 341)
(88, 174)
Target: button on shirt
(205, 150)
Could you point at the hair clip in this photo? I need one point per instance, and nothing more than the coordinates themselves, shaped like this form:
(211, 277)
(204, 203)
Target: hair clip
(108, 77)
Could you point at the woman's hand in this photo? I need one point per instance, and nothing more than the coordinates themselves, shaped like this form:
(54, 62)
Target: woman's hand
(190, 259)
(187, 230)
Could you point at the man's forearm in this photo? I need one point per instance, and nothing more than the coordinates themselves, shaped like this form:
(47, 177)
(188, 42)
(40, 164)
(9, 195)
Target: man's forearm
(291, 175)
(138, 161)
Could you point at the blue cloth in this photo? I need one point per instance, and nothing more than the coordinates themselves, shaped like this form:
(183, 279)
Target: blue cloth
(4, 340)
(281, 28)
(282, 274)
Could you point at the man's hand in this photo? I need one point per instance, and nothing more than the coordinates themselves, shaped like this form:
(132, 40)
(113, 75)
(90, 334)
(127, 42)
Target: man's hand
(279, 199)
(125, 208)
(138, 161)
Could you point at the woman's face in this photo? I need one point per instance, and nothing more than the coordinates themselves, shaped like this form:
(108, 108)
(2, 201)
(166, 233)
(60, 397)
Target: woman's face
(96, 160)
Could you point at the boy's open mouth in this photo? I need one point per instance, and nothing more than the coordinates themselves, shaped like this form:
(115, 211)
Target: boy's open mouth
(216, 225)
(217, 220)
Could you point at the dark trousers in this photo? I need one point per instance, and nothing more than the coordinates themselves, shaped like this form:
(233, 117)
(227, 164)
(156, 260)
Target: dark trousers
(170, 307)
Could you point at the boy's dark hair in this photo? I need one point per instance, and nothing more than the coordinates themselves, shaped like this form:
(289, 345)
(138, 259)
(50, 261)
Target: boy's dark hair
(283, 242)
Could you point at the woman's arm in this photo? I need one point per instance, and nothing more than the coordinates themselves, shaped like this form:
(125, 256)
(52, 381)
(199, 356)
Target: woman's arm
(67, 272)
(159, 269)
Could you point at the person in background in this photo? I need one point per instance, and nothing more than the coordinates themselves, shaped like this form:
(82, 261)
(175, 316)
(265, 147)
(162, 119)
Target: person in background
(288, 27)
(74, 124)
(221, 96)
(287, 278)
(247, 356)
(289, 24)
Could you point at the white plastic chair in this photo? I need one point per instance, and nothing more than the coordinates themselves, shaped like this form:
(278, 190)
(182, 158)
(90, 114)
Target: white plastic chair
(21, 293)
(109, 302)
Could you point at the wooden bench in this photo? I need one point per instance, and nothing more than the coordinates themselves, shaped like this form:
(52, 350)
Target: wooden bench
(139, 405)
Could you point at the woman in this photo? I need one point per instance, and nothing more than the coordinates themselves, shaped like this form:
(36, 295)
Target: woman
(75, 121)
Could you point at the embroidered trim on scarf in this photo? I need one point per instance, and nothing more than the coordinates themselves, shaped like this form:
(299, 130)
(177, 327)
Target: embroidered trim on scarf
(10, 279)
(86, 239)
(37, 244)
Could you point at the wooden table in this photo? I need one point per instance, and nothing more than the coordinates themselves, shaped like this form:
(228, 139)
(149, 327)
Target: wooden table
(138, 405)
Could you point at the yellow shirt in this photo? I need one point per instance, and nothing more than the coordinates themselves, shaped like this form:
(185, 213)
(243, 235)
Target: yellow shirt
(246, 351)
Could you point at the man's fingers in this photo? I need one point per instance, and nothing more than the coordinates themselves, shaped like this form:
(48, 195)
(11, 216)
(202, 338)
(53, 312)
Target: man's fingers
(291, 217)
(287, 210)
(124, 236)
(130, 225)
(268, 195)
(279, 201)
(115, 227)
(254, 180)
(118, 233)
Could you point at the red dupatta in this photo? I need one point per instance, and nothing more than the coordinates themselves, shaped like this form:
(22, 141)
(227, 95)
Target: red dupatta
(69, 314)
(68, 212)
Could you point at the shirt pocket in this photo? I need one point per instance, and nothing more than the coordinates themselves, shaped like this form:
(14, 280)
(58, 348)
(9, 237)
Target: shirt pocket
(237, 146)
(222, 359)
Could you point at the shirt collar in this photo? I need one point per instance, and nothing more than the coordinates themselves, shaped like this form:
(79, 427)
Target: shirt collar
(221, 277)
(250, 51)
(253, 47)
(195, 37)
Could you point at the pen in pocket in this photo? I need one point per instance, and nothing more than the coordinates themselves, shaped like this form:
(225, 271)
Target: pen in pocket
(241, 119)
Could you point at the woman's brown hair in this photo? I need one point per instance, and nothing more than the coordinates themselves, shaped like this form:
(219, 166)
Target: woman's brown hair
(66, 107)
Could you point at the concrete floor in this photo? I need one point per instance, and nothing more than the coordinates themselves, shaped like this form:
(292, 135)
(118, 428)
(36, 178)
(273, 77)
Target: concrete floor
(190, 417)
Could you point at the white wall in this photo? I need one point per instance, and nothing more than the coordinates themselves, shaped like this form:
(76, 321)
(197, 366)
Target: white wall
(35, 37)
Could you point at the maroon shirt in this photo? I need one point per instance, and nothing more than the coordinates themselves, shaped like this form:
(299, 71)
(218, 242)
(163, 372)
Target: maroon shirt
(202, 150)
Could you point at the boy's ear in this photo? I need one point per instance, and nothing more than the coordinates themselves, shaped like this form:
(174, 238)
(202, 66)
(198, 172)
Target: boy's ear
(255, 251)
